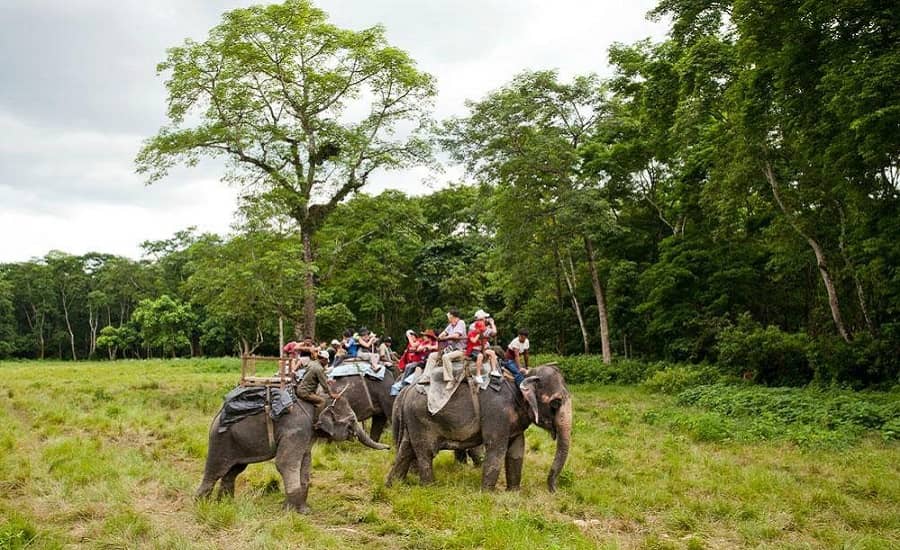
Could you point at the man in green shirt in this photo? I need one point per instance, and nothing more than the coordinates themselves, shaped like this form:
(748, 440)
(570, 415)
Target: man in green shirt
(315, 378)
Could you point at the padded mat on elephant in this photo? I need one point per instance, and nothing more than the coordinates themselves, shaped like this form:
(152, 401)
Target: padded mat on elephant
(242, 402)
(353, 367)
(437, 391)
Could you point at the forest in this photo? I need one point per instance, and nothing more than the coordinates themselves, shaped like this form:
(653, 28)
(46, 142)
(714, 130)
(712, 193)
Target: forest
(728, 196)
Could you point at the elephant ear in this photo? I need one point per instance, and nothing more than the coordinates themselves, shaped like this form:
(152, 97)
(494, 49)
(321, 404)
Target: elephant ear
(528, 392)
(325, 424)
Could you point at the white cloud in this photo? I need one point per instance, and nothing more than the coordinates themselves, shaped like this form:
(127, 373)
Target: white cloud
(81, 93)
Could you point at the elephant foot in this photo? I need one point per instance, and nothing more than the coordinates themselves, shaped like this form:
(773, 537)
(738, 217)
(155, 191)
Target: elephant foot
(514, 488)
(297, 503)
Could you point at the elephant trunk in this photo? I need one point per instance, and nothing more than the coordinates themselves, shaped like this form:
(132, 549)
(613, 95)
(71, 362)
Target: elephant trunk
(366, 440)
(563, 429)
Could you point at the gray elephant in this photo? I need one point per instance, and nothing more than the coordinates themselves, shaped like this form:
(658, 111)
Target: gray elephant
(247, 441)
(504, 417)
(369, 398)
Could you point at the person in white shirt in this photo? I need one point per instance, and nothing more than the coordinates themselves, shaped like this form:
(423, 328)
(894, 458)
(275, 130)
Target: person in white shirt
(453, 342)
(516, 351)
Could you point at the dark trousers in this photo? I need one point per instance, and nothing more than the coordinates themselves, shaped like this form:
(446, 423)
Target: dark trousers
(313, 398)
(512, 367)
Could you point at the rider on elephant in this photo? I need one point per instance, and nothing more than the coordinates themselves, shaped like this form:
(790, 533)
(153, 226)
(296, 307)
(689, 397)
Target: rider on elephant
(453, 339)
(314, 379)
(412, 361)
(367, 349)
(515, 352)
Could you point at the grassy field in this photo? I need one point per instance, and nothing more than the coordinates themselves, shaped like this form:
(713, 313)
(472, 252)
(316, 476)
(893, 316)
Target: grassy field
(108, 455)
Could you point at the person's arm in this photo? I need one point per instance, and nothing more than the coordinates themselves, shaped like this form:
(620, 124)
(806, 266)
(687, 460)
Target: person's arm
(322, 380)
(331, 391)
(526, 359)
(459, 334)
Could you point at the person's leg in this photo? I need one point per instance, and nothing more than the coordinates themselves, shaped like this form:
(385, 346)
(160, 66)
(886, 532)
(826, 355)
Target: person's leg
(492, 357)
(479, 360)
(313, 398)
(448, 359)
(412, 370)
(433, 358)
(512, 367)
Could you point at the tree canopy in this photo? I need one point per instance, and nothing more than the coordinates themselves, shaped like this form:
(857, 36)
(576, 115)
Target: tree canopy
(730, 195)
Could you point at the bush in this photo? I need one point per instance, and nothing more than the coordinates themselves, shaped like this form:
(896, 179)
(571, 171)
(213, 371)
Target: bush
(766, 355)
(800, 413)
(675, 379)
(590, 369)
(863, 362)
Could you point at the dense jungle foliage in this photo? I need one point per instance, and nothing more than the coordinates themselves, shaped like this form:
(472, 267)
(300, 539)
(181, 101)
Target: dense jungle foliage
(729, 196)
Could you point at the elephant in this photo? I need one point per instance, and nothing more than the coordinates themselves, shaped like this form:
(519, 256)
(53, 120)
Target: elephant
(504, 417)
(369, 398)
(247, 441)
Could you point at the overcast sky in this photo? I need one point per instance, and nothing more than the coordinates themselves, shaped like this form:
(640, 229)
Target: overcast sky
(79, 93)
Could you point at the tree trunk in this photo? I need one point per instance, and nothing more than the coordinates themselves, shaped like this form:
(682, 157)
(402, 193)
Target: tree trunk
(93, 322)
(601, 301)
(309, 289)
(570, 284)
(36, 322)
(821, 261)
(860, 295)
(280, 335)
(560, 331)
(69, 326)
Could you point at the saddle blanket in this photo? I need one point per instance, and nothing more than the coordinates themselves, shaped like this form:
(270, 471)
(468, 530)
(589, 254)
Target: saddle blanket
(352, 367)
(242, 402)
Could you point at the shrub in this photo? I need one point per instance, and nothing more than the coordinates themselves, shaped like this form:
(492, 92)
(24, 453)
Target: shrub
(677, 378)
(767, 355)
(863, 362)
(802, 415)
(590, 369)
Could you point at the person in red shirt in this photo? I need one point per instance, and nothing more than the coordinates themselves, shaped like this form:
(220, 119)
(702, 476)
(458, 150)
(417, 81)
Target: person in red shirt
(477, 349)
(417, 350)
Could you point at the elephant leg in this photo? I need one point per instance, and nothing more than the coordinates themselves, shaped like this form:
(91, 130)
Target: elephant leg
(476, 454)
(305, 468)
(211, 474)
(515, 456)
(490, 469)
(424, 460)
(402, 462)
(378, 423)
(291, 471)
(226, 488)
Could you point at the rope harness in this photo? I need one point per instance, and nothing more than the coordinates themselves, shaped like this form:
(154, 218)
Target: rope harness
(270, 428)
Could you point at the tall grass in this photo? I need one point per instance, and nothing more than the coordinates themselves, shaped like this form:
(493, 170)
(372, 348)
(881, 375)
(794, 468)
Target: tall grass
(109, 454)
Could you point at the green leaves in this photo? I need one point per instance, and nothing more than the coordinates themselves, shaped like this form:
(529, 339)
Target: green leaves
(164, 323)
(269, 89)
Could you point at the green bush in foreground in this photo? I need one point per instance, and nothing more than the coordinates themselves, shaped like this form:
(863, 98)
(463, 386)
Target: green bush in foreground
(802, 415)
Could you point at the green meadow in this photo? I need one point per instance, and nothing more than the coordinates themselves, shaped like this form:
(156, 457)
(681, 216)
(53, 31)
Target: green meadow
(108, 455)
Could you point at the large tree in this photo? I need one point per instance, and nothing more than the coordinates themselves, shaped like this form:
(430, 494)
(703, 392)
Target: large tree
(527, 137)
(303, 111)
